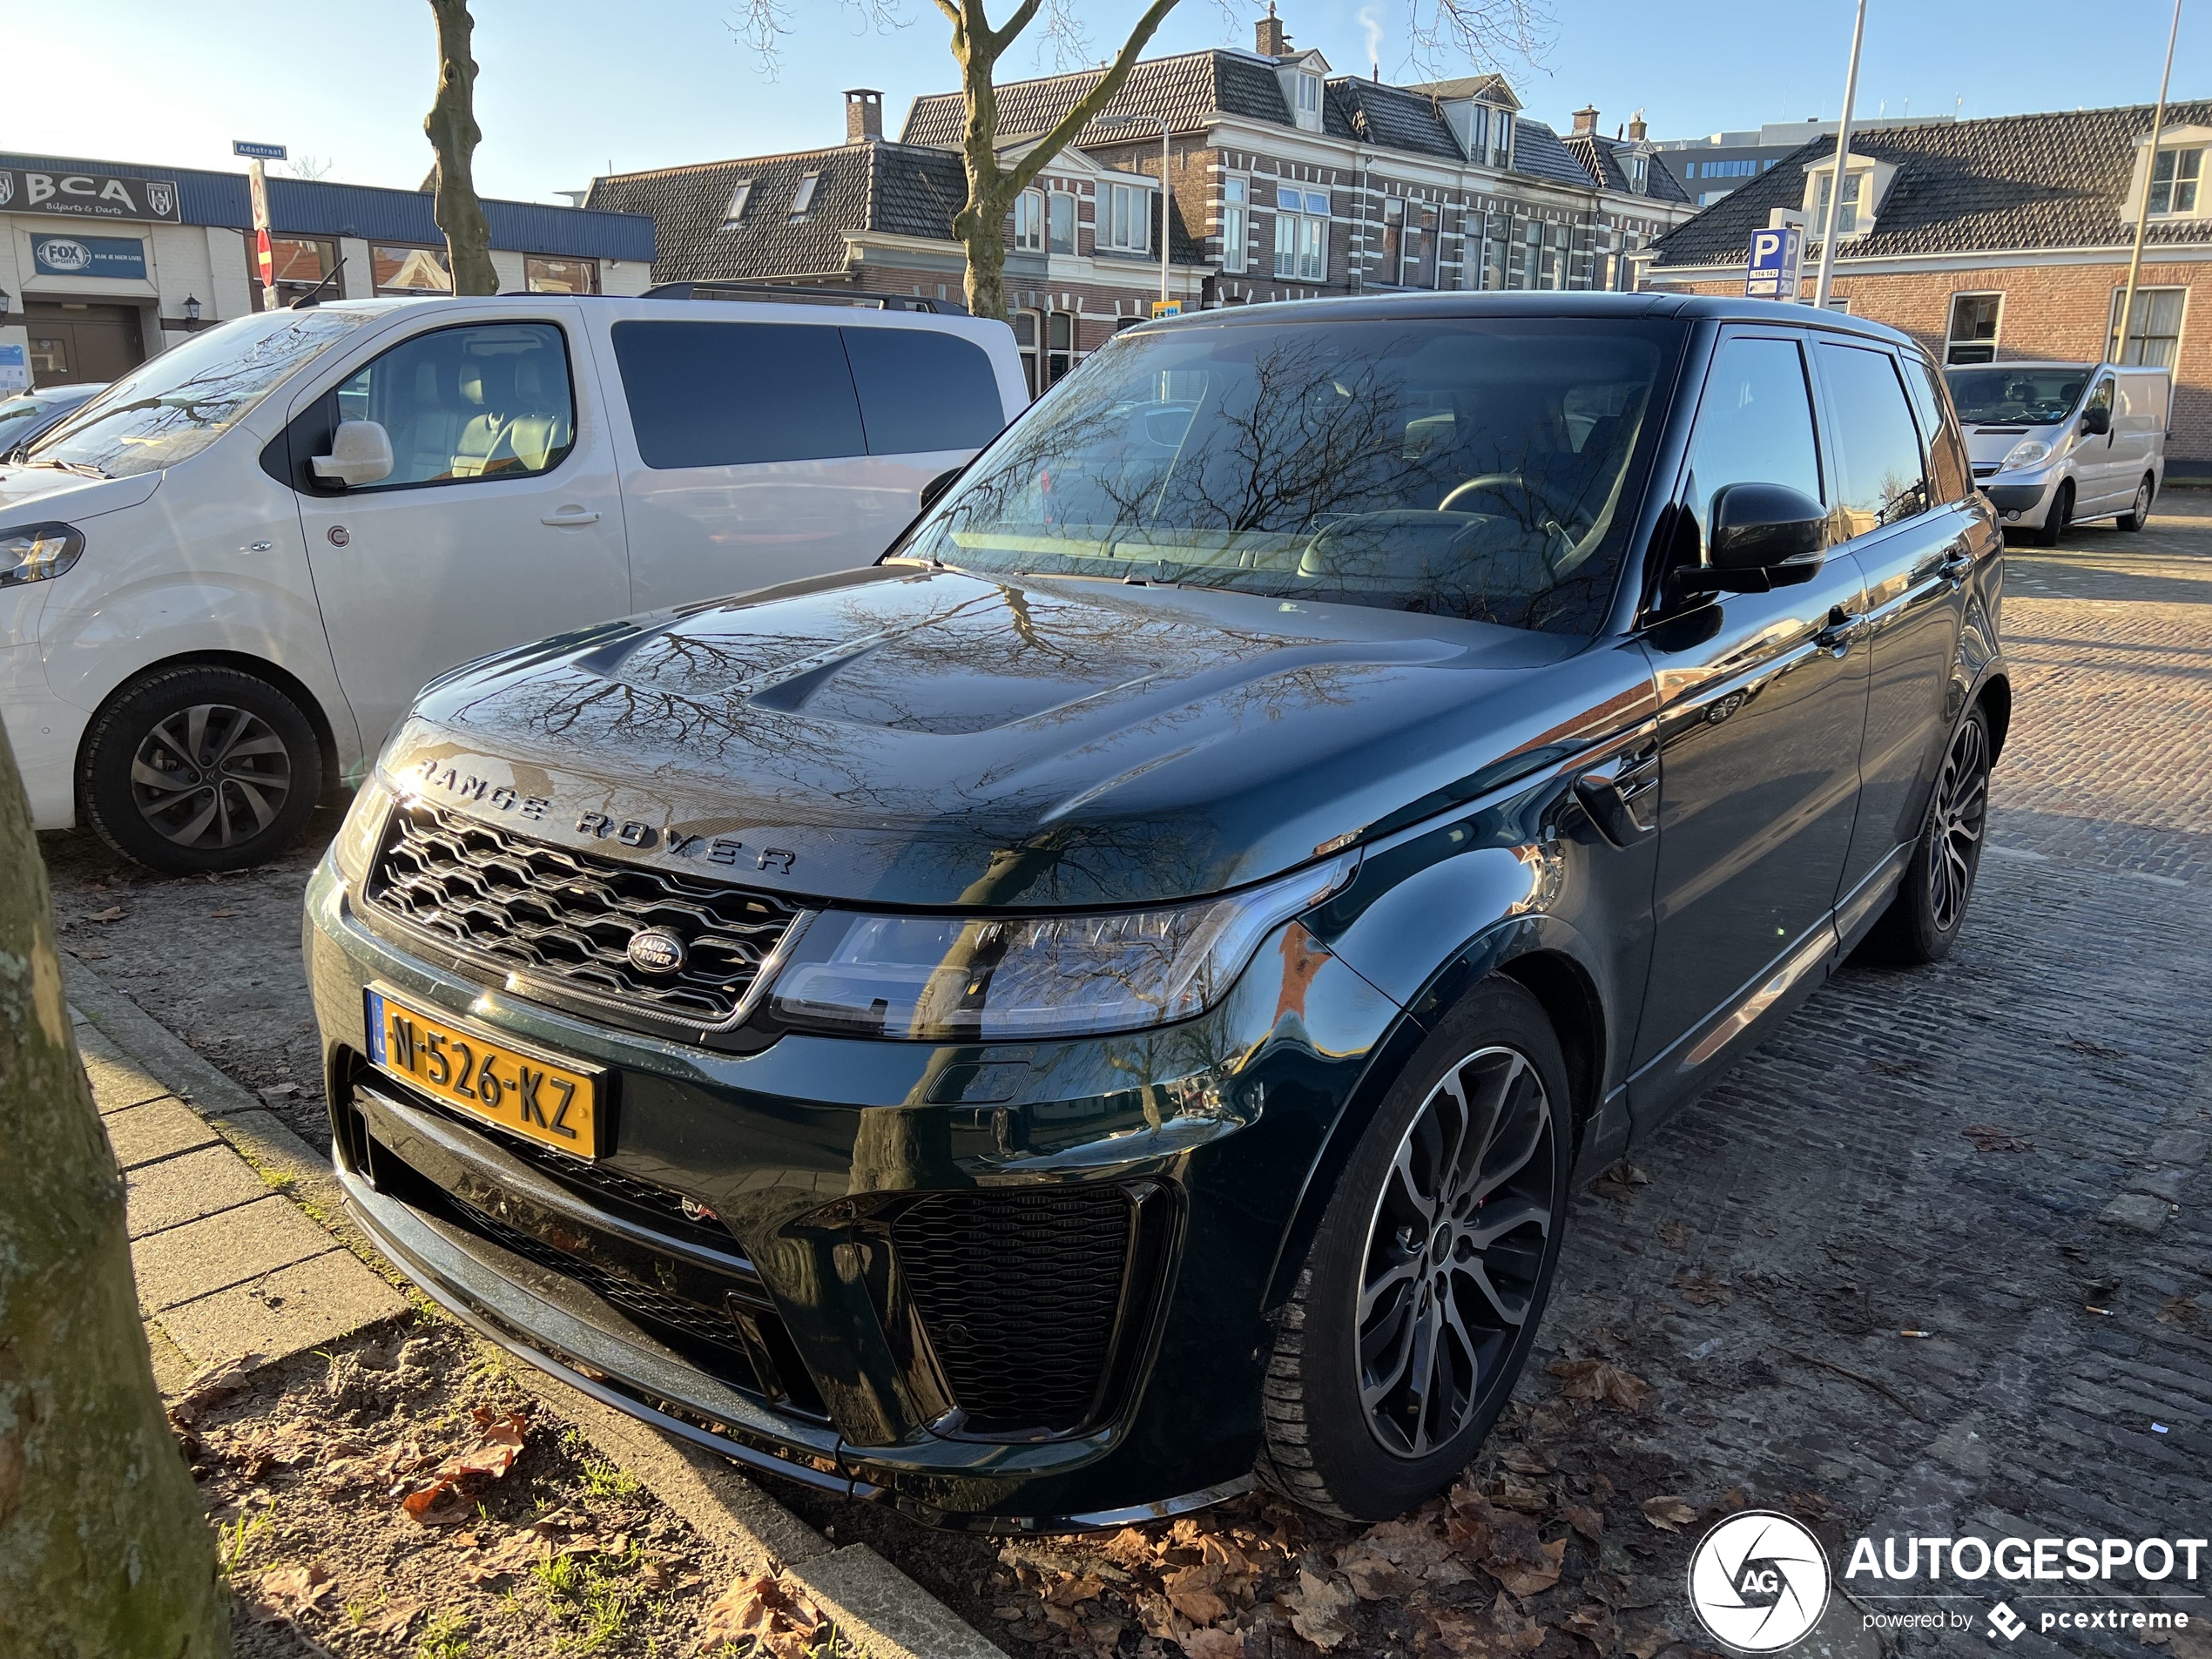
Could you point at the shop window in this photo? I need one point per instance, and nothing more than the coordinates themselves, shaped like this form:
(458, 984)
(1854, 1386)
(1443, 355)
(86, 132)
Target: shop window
(1236, 194)
(542, 275)
(409, 270)
(2154, 332)
(1059, 217)
(1301, 233)
(2173, 178)
(1973, 335)
(1029, 222)
(302, 265)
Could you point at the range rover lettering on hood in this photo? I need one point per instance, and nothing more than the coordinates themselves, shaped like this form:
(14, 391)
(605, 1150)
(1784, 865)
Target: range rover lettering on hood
(634, 832)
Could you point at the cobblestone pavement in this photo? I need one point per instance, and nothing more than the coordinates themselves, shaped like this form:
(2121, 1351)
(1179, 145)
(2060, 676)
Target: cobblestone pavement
(2005, 1151)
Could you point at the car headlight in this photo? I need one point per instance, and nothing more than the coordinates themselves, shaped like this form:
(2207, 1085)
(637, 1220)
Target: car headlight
(949, 978)
(2026, 453)
(364, 826)
(37, 551)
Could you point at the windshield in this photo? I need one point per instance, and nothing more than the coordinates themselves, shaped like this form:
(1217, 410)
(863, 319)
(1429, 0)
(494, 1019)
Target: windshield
(1478, 468)
(2017, 396)
(18, 415)
(177, 404)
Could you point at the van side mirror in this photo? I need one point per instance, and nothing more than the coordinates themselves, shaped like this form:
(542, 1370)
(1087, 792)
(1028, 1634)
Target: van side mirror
(1762, 537)
(934, 491)
(361, 453)
(2096, 420)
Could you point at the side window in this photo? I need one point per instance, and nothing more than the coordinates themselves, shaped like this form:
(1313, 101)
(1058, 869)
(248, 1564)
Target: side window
(488, 400)
(2100, 398)
(736, 393)
(1877, 450)
(1755, 426)
(1949, 475)
(921, 389)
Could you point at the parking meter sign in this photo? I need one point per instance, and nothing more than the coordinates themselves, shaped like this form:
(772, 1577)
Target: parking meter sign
(1776, 254)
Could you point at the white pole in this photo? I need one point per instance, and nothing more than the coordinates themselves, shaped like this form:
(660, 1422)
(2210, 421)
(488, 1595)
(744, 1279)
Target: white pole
(2118, 339)
(1163, 204)
(1843, 161)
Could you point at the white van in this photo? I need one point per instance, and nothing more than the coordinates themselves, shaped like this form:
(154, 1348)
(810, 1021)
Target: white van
(2055, 443)
(224, 579)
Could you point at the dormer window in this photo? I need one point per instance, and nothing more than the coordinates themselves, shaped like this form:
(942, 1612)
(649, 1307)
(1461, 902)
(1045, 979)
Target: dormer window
(2173, 178)
(1847, 214)
(1501, 146)
(1639, 170)
(1300, 77)
(1308, 108)
(804, 200)
(737, 199)
(1865, 187)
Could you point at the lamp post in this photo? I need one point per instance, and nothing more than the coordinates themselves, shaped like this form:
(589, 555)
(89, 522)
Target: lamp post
(192, 308)
(2118, 340)
(1843, 163)
(1165, 133)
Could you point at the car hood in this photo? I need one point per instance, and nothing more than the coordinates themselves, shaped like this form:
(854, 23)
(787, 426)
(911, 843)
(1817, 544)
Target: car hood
(928, 737)
(68, 495)
(1993, 443)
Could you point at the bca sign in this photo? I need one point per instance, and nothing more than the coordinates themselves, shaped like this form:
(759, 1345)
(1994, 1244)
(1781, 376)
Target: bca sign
(88, 195)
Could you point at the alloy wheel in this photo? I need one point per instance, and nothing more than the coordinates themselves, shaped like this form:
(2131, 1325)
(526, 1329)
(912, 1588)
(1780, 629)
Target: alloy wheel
(2141, 511)
(1954, 839)
(1455, 1251)
(211, 776)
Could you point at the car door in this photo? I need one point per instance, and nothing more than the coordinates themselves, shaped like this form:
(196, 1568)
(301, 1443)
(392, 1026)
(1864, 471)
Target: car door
(500, 521)
(2097, 461)
(1762, 706)
(1905, 513)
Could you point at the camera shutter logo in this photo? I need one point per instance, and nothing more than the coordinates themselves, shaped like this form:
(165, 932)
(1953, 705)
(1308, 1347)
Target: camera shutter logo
(1759, 1582)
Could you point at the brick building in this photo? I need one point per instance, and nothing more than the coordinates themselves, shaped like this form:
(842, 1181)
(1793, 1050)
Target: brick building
(2000, 238)
(1285, 181)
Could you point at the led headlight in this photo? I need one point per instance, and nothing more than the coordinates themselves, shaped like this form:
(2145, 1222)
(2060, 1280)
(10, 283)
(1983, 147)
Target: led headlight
(357, 836)
(37, 551)
(945, 979)
(2026, 453)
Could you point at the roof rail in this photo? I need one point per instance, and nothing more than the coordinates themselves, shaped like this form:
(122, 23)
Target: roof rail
(802, 296)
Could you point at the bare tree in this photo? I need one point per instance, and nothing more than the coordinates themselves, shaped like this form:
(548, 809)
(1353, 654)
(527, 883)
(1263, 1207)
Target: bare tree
(311, 168)
(103, 1545)
(454, 134)
(1480, 33)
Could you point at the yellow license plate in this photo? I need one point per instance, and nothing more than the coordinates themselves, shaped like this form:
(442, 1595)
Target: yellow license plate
(520, 1090)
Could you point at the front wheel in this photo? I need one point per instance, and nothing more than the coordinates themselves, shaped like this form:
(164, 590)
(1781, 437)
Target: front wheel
(1419, 1302)
(1923, 921)
(200, 768)
(2060, 519)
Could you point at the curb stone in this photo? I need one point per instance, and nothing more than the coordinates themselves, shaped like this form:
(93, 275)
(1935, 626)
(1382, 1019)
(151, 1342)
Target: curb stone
(882, 1610)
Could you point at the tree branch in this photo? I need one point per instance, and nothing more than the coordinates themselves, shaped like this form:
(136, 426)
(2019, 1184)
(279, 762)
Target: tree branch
(1071, 125)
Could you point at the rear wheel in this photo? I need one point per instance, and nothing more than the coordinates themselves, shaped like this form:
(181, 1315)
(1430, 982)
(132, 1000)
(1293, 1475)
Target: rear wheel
(200, 768)
(2138, 513)
(2060, 519)
(1419, 1299)
(1923, 920)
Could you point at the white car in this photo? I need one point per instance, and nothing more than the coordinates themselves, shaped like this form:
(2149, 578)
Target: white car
(223, 580)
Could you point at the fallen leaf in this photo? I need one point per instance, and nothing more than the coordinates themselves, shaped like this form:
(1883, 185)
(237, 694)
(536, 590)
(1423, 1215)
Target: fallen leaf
(1988, 1137)
(1317, 1606)
(2180, 1310)
(113, 913)
(761, 1608)
(1646, 1640)
(1669, 1513)
(211, 1385)
(1373, 1577)
(1703, 1291)
(394, 1619)
(1523, 1459)
(1495, 1635)
(1215, 1644)
(1191, 1592)
(1526, 1579)
(1069, 1591)
(1599, 1379)
(1589, 1522)
(289, 1591)
(1674, 1235)
(279, 1091)
(221, 916)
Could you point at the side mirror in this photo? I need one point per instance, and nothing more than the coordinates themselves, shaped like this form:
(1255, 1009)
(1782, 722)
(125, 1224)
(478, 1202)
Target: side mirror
(2096, 421)
(934, 491)
(1762, 537)
(361, 453)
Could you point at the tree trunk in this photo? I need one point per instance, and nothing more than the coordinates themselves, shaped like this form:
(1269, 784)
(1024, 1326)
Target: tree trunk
(454, 134)
(104, 1550)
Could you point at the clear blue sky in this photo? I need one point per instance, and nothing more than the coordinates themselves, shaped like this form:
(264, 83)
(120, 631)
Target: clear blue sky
(568, 88)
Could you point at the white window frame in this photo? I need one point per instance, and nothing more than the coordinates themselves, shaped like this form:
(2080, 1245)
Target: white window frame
(1029, 222)
(2176, 184)
(1951, 341)
(802, 199)
(1639, 174)
(1306, 109)
(2142, 293)
(1236, 205)
(1301, 235)
(740, 194)
(1125, 218)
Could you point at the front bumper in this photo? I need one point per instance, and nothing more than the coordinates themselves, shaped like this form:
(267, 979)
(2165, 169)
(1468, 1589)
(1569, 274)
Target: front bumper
(43, 730)
(1114, 1203)
(2021, 498)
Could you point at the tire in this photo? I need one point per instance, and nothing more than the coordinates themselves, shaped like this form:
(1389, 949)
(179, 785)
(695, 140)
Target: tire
(1324, 1447)
(2138, 514)
(200, 768)
(2060, 519)
(1923, 920)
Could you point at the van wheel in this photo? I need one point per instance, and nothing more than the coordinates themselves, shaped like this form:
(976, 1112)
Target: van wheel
(2060, 519)
(2138, 514)
(1419, 1302)
(200, 768)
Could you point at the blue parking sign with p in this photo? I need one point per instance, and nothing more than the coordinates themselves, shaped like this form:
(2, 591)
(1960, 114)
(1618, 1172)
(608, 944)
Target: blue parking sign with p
(1774, 257)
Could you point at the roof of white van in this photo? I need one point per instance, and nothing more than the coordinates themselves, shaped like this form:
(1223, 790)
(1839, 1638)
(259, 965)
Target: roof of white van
(2068, 362)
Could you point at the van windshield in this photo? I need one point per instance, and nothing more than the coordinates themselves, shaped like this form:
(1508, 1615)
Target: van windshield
(2017, 396)
(1482, 467)
(177, 404)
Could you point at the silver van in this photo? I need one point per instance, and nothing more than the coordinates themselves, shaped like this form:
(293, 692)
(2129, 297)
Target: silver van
(2055, 443)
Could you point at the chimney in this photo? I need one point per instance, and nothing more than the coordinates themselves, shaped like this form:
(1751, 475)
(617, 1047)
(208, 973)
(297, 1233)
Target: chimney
(863, 116)
(1637, 130)
(1586, 118)
(1272, 41)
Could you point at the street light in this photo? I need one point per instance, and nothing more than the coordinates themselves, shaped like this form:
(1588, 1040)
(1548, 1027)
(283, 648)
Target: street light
(1139, 120)
(191, 309)
(1836, 186)
(3, 302)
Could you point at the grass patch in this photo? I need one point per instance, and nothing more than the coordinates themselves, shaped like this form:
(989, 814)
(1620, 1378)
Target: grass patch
(443, 1638)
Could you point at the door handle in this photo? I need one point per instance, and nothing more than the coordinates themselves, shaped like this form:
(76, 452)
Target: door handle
(1958, 560)
(569, 517)
(1841, 627)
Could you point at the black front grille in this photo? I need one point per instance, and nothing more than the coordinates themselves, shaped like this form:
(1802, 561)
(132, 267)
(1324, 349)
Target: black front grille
(566, 917)
(1020, 1293)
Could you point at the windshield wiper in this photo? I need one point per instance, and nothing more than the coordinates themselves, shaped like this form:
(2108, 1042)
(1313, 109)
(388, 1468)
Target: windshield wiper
(82, 468)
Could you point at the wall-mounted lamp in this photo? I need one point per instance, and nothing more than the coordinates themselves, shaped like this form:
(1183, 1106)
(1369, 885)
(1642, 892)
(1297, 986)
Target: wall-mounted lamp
(191, 309)
(3, 302)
